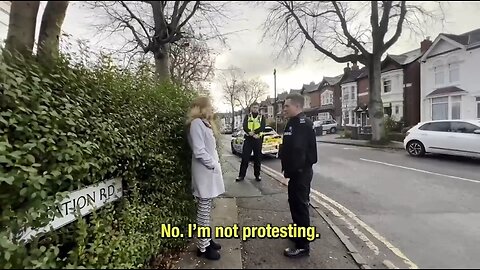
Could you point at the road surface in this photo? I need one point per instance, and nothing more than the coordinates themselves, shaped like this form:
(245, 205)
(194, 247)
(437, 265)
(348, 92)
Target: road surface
(423, 211)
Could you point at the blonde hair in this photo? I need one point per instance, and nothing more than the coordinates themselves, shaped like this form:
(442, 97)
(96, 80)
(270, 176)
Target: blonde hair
(202, 108)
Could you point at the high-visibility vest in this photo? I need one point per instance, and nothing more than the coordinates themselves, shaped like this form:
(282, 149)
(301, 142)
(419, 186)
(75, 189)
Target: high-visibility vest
(254, 122)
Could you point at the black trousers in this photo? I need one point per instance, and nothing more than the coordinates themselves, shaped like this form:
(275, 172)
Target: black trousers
(251, 144)
(299, 199)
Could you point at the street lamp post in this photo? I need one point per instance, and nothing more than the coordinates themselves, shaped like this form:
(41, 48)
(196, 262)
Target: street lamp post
(275, 97)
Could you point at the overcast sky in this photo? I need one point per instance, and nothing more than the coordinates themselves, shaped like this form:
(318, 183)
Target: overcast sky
(258, 59)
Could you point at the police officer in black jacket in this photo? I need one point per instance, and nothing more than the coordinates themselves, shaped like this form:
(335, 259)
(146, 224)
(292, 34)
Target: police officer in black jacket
(298, 153)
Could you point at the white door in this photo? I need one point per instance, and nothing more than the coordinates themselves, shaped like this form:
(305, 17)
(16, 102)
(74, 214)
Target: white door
(464, 140)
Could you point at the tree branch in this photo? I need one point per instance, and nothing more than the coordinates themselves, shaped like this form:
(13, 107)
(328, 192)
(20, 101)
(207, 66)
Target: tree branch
(195, 7)
(344, 59)
(141, 22)
(347, 34)
(398, 31)
(387, 7)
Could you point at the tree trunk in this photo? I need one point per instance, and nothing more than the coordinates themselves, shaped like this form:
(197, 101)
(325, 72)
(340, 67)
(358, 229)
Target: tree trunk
(233, 117)
(375, 106)
(49, 36)
(21, 27)
(162, 63)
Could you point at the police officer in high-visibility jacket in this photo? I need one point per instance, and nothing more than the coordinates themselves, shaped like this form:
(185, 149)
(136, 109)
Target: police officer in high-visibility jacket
(254, 126)
(298, 153)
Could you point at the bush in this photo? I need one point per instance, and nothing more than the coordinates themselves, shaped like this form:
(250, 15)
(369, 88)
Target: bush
(70, 126)
(395, 136)
(346, 133)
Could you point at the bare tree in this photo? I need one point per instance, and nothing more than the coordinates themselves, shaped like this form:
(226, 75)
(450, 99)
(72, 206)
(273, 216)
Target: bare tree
(48, 39)
(21, 28)
(347, 32)
(231, 79)
(192, 63)
(156, 25)
(250, 91)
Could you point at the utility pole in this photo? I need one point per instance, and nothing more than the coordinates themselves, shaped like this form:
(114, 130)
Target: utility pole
(275, 98)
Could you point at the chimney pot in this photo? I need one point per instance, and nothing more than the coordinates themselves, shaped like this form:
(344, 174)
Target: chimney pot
(425, 44)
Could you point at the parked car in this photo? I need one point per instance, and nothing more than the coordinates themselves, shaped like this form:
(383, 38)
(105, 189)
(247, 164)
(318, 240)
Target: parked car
(450, 137)
(271, 142)
(330, 126)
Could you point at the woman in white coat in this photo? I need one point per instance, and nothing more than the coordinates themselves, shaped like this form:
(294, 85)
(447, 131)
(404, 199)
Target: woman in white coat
(207, 179)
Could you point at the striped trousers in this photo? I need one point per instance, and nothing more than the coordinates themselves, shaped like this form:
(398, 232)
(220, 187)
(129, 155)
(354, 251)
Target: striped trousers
(204, 208)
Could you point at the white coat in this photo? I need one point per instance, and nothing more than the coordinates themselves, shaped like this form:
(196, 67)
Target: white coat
(207, 178)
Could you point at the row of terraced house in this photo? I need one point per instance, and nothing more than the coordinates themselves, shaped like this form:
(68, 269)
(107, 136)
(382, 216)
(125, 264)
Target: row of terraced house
(439, 80)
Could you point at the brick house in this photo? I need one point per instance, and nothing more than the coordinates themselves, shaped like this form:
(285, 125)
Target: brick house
(400, 83)
(350, 95)
(311, 93)
(330, 104)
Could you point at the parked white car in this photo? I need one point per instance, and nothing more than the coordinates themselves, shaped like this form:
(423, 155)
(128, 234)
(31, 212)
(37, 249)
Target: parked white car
(329, 126)
(450, 137)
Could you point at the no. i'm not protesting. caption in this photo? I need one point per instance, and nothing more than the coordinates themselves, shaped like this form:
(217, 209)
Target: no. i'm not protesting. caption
(268, 231)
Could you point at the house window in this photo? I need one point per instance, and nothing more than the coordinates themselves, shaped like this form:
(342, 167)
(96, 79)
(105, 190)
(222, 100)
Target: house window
(307, 101)
(456, 107)
(345, 93)
(440, 108)
(478, 107)
(454, 72)
(438, 75)
(397, 109)
(353, 96)
(387, 86)
(327, 98)
(346, 118)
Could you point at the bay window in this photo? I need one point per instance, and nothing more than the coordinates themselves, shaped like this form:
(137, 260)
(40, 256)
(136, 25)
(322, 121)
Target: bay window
(446, 108)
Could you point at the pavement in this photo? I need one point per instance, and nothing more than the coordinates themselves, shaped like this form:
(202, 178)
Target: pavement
(336, 139)
(251, 203)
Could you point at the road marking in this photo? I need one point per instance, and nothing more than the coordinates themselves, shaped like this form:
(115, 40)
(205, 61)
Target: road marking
(422, 171)
(350, 226)
(351, 215)
(375, 234)
(349, 148)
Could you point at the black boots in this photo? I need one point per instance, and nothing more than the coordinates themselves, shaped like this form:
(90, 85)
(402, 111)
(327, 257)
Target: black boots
(214, 245)
(211, 252)
(239, 179)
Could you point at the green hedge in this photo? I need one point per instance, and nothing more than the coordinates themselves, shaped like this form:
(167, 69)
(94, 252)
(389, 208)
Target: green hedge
(73, 125)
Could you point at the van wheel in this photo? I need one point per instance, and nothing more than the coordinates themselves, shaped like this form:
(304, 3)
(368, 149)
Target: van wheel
(416, 149)
(333, 130)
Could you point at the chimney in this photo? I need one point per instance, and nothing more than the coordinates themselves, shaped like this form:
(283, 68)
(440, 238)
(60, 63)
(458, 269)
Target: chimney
(347, 69)
(354, 66)
(425, 44)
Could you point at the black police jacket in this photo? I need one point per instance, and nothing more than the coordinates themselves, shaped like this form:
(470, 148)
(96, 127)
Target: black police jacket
(299, 147)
